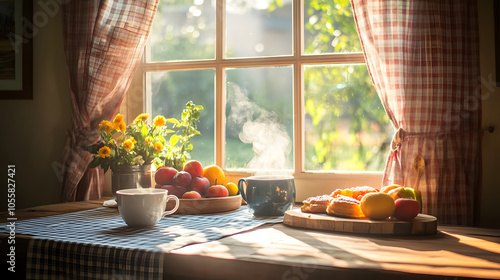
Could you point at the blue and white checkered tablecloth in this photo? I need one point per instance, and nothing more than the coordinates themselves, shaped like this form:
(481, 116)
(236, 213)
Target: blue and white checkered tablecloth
(97, 244)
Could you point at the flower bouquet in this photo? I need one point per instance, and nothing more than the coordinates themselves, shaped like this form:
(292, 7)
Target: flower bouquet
(140, 143)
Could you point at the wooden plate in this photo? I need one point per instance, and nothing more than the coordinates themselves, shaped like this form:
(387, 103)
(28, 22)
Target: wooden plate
(420, 225)
(206, 205)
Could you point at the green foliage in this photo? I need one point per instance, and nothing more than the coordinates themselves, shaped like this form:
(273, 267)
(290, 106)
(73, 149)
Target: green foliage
(340, 98)
(179, 147)
(349, 126)
(188, 39)
(330, 27)
(171, 90)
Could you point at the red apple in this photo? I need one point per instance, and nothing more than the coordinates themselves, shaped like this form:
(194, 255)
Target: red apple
(182, 178)
(200, 184)
(406, 208)
(191, 195)
(164, 175)
(194, 168)
(173, 190)
(217, 191)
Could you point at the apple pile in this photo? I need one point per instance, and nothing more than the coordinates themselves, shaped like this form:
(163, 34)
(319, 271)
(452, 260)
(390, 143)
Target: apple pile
(190, 182)
(407, 201)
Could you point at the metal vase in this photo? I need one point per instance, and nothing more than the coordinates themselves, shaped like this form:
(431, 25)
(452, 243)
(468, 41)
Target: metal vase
(131, 177)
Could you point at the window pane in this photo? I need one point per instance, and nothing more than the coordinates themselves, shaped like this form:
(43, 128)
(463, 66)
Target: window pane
(258, 28)
(170, 93)
(346, 127)
(329, 27)
(183, 30)
(259, 118)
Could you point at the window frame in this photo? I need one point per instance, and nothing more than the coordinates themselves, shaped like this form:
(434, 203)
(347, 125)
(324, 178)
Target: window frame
(307, 183)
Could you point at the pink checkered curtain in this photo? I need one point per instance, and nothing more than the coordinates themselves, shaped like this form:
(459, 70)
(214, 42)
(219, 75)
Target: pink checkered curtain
(103, 43)
(424, 62)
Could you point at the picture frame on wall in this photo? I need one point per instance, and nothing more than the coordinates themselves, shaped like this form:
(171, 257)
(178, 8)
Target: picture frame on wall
(16, 49)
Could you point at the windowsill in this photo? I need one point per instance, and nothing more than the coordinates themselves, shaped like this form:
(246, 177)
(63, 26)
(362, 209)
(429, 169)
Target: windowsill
(318, 183)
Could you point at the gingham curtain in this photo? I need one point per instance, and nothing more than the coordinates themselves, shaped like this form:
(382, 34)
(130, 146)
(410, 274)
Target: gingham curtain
(103, 42)
(424, 62)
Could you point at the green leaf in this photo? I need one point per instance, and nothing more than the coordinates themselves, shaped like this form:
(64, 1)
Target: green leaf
(95, 162)
(144, 131)
(174, 121)
(174, 139)
(184, 114)
(90, 149)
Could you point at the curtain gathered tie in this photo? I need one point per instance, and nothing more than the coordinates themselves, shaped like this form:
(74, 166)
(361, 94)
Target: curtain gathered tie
(82, 137)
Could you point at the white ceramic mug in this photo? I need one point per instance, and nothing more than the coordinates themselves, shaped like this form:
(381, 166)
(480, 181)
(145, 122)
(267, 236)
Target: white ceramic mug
(144, 207)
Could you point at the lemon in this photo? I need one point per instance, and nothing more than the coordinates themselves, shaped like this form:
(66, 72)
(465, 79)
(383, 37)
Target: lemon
(215, 175)
(232, 188)
(377, 206)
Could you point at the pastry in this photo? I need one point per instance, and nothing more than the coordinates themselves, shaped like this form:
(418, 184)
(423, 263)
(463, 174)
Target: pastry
(345, 206)
(316, 204)
(354, 192)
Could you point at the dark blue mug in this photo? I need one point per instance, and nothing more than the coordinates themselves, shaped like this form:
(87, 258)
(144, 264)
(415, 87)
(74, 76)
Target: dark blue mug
(268, 195)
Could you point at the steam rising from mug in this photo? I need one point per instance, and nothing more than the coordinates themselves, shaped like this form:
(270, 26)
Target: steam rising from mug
(270, 142)
(144, 190)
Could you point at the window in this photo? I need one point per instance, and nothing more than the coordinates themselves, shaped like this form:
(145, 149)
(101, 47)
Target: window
(283, 83)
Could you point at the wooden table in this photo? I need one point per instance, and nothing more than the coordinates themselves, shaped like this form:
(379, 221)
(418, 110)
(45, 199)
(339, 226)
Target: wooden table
(281, 252)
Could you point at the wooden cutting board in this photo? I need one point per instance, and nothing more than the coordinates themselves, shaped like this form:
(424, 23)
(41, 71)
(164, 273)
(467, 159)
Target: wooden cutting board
(420, 225)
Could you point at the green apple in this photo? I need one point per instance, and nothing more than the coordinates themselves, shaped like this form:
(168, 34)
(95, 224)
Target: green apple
(402, 192)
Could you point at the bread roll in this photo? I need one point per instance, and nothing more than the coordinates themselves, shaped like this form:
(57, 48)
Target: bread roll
(316, 204)
(345, 206)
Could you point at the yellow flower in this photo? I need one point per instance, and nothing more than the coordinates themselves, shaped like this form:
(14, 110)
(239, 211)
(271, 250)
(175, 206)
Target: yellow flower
(107, 126)
(118, 118)
(148, 140)
(141, 117)
(158, 146)
(120, 125)
(159, 121)
(104, 152)
(133, 140)
(128, 144)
